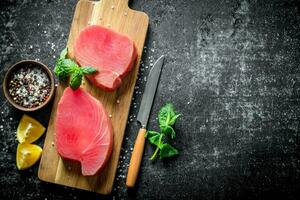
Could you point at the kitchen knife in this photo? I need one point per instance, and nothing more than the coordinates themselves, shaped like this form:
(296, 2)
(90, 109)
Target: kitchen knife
(142, 117)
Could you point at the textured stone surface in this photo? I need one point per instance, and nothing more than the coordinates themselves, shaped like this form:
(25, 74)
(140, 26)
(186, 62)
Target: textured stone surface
(232, 70)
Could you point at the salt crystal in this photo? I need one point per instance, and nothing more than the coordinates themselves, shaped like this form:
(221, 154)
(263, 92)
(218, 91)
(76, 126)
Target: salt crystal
(112, 7)
(125, 13)
(118, 101)
(52, 143)
(110, 116)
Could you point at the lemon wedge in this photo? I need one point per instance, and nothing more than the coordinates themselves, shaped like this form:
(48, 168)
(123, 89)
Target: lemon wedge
(29, 130)
(27, 155)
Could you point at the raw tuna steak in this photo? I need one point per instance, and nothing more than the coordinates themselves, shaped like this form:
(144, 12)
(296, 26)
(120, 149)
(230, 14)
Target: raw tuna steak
(83, 130)
(111, 53)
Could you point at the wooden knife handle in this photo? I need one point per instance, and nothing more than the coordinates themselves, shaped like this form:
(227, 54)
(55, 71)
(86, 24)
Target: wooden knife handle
(136, 158)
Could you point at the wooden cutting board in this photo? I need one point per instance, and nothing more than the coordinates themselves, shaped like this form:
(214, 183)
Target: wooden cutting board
(114, 14)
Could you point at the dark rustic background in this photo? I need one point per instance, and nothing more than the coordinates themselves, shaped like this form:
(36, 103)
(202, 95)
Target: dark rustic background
(232, 70)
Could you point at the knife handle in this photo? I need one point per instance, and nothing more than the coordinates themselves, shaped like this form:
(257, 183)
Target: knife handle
(136, 158)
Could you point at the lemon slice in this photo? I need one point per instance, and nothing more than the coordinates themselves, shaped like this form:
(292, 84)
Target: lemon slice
(27, 155)
(29, 130)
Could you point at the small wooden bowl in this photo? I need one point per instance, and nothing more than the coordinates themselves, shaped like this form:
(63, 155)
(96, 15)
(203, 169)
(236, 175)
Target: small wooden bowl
(22, 64)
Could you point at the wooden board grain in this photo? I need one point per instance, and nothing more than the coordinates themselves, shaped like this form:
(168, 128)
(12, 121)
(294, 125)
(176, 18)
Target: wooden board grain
(114, 14)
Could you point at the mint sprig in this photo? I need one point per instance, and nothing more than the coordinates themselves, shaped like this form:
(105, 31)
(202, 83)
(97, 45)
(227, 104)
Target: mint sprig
(66, 68)
(167, 117)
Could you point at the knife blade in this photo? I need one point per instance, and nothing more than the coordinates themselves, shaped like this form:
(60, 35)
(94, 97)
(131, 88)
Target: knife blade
(149, 93)
(143, 117)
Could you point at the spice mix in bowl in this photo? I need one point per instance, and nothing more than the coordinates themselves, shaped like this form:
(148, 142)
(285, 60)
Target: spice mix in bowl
(28, 85)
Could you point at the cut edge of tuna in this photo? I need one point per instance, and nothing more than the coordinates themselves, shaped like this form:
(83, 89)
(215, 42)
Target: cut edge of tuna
(111, 53)
(91, 149)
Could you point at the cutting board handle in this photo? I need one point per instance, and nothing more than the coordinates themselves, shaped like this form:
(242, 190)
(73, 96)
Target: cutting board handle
(113, 2)
(117, 2)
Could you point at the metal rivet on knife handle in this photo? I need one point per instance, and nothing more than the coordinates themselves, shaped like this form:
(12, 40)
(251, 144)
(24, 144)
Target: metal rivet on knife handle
(136, 158)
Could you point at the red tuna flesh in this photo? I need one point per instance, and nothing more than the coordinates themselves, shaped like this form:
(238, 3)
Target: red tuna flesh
(111, 53)
(83, 131)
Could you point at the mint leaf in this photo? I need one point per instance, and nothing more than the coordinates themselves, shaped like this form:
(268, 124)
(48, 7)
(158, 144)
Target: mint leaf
(88, 70)
(153, 137)
(69, 63)
(173, 119)
(150, 134)
(61, 70)
(76, 79)
(63, 54)
(167, 117)
(155, 140)
(166, 113)
(65, 68)
(168, 130)
(167, 151)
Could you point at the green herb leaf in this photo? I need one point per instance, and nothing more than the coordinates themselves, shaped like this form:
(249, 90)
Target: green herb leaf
(168, 130)
(63, 54)
(150, 134)
(76, 79)
(65, 68)
(153, 137)
(70, 63)
(61, 71)
(167, 151)
(166, 113)
(173, 119)
(167, 117)
(88, 70)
